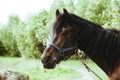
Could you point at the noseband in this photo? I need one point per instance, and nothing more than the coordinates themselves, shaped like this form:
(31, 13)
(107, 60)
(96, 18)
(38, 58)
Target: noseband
(63, 50)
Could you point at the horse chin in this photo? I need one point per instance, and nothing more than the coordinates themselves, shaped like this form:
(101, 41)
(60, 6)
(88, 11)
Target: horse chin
(49, 66)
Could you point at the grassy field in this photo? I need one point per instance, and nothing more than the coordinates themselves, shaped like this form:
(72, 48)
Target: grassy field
(67, 70)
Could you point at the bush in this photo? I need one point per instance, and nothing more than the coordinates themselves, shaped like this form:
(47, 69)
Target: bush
(23, 38)
(27, 38)
(103, 12)
(2, 49)
(8, 41)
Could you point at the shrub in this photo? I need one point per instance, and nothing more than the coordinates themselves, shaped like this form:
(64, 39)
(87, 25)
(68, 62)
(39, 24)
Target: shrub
(8, 41)
(2, 49)
(27, 38)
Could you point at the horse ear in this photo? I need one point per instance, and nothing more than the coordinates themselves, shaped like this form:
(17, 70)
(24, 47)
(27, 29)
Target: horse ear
(65, 11)
(57, 13)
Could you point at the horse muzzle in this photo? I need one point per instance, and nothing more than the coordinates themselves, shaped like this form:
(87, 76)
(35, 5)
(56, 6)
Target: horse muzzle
(49, 62)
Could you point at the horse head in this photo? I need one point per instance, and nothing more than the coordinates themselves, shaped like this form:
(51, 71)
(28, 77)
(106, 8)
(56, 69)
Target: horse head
(63, 43)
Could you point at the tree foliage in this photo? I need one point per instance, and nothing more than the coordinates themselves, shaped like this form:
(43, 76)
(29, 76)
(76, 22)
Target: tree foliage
(27, 38)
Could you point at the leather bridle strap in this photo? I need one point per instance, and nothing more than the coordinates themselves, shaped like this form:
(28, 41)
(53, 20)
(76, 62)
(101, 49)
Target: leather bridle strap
(63, 50)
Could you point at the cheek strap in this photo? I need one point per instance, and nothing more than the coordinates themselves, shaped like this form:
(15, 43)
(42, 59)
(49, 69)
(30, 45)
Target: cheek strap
(63, 50)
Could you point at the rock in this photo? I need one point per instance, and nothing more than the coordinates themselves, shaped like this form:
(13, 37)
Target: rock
(10, 75)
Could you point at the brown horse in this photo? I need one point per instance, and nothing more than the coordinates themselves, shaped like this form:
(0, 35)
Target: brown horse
(71, 32)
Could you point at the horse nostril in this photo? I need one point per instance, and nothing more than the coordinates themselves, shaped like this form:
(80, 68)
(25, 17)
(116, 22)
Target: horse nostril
(46, 59)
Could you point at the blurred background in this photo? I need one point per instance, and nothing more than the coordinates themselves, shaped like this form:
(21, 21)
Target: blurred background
(25, 26)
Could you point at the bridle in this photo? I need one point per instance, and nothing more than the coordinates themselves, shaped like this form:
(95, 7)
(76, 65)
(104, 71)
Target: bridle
(63, 50)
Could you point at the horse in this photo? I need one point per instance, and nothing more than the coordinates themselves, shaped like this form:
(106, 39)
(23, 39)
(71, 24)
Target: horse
(71, 32)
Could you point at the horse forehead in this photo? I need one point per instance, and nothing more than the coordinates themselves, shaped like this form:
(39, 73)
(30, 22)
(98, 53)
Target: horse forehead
(67, 27)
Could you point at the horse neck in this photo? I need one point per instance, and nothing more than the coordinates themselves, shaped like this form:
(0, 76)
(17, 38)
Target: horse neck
(88, 37)
(95, 42)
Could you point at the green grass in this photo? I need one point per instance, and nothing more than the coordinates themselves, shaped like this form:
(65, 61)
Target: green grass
(67, 70)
